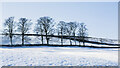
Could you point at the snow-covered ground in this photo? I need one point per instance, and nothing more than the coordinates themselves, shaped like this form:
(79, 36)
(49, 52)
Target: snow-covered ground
(58, 56)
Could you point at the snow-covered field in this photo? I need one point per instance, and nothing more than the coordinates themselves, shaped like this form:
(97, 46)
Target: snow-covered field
(58, 56)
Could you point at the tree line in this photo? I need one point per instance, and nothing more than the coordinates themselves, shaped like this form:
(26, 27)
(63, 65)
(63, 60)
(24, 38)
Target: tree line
(44, 26)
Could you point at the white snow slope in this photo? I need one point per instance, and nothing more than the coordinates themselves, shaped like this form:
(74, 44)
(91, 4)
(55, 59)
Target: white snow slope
(58, 56)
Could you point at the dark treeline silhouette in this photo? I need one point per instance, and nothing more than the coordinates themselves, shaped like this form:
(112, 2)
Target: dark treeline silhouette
(45, 27)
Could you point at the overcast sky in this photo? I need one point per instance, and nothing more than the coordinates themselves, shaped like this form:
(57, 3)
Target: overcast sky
(101, 18)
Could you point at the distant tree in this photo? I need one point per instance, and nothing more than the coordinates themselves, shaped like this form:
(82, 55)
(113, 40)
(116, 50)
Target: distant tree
(82, 32)
(74, 25)
(61, 30)
(23, 28)
(9, 28)
(48, 25)
(70, 30)
(39, 29)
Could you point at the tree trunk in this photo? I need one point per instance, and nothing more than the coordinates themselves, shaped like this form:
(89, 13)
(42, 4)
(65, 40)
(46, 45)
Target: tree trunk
(42, 39)
(62, 40)
(83, 41)
(23, 39)
(70, 41)
(23, 33)
(11, 40)
(47, 39)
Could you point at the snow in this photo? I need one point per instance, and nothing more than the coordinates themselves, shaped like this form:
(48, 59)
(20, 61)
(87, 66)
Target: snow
(58, 56)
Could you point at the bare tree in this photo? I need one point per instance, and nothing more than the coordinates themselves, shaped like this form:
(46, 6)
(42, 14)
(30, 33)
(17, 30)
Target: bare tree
(70, 30)
(82, 32)
(74, 30)
(9, 28)
(48, 25)
(61, 29)
(39, 29)
(23, 28)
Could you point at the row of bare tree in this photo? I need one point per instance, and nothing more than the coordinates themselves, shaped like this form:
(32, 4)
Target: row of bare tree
(45, 26)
